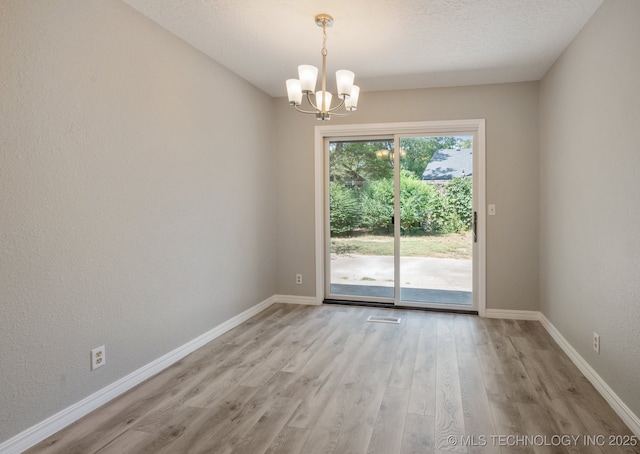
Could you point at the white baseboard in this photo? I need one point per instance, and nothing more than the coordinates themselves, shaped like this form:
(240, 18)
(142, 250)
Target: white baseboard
(512, 315)
(292, 299)
(35, 434)
(625, 413)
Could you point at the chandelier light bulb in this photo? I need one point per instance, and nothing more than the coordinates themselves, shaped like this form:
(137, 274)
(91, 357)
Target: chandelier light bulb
(351, 103)
(308, 75)
(294, 92)
(327, 99)
(344, 81)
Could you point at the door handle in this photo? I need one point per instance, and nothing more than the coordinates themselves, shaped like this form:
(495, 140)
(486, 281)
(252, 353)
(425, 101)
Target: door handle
(474, 226)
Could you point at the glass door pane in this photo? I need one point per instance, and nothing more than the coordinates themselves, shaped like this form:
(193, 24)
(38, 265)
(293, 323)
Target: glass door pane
(361, 221)
(436, 243)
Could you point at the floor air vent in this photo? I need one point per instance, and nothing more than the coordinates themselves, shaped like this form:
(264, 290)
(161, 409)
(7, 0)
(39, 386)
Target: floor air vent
(373, 318)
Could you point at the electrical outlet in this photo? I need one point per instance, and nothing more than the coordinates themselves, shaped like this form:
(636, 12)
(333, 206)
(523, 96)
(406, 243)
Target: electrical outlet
(98, 357)
(298, 279)
(596, 342)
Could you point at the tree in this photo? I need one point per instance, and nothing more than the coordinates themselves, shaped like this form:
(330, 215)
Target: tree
(420, 150)
(355, 162)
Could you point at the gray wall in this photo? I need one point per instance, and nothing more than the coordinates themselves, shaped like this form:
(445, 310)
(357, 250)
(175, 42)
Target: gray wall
(132, 177)
(511, 113)
(590, 195)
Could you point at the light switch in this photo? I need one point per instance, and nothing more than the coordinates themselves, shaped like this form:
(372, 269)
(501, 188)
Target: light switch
(492, 209)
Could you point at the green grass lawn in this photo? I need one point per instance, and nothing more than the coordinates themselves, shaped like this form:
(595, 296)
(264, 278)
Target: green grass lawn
(454, 245)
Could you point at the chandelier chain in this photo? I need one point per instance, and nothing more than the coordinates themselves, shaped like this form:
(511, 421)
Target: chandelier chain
(324, 38)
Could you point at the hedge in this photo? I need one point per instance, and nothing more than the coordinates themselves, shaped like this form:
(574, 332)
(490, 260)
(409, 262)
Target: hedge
(423, 207)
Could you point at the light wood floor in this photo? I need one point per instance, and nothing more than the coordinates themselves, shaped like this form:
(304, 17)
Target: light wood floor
(320, 379)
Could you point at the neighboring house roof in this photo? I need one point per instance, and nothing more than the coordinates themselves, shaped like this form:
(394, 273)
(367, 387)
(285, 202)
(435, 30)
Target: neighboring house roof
(448, 164)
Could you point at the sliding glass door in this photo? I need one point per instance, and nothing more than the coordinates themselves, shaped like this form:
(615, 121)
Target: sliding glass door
(361, 214)
(436, 212)
(400, 224)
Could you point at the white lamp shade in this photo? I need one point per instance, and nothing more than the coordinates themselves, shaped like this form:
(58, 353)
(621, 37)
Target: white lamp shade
(308, 75)
(327, 98)
(344, 80)
(351, 103)
(294, 92)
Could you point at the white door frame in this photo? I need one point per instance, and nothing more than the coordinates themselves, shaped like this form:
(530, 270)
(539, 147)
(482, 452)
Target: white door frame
(446, 127)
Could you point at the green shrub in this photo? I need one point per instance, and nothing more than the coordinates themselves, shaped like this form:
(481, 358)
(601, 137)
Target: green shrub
(422, 206)
(343, 208)
(452, 210)
(460, 197)
(415, 198)
(442, 218)
(376, 206)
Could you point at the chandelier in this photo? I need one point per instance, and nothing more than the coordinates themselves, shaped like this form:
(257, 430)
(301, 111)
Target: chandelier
(306, 84)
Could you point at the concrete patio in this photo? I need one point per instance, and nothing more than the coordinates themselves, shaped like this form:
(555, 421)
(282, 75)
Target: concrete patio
(423, 279)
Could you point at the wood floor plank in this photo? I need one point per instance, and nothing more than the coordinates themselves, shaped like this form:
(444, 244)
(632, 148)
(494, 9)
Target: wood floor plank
(538, 336)
(276, 358)
(485, 349)
(131, 441)
(331, 347)
(211, 431)
(186, 428)
(228, 405)
(405, 360)
(418, 434)
(317, 389)
(347, 421)
(237, 367)
(550, 389)
(472, 390)
(504, 410)
(423, 385)
(537, 421)
(475, 402)
(511, 328)
(289, 441)
(514, 371)
(381, 339)
(167, 434)
(364, 408)
(254, 327)
(449, 409)
(316, 334)
(389, 425)
(465, 343)
(385, 347)
(260, 436)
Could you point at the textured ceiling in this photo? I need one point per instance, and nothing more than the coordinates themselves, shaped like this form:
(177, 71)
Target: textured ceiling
(389, 44)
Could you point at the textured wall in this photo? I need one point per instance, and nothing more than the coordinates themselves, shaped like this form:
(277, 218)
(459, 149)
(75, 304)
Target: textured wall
(137, 207)
(590, 190)
(511, 113)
